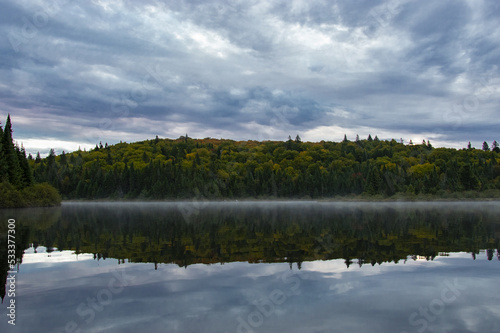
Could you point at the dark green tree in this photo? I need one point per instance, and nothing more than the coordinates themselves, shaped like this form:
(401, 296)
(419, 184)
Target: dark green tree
(373, 181)
(10, 155)
(26, 173)
(495, 147)
(3, 163)
(467, 178)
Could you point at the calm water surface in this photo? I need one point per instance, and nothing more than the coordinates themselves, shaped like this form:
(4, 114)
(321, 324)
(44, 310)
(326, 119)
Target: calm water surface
(255, 267)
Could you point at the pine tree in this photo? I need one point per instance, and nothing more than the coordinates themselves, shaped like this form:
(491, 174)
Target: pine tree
(494, 147)
(3, 163)
(63, 160)
(373, 181)
(26, 173)
(467, 178)
(10, 155)
(485, 146)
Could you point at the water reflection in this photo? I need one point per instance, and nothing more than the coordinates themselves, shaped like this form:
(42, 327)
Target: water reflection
(325, 275)
(272, 232)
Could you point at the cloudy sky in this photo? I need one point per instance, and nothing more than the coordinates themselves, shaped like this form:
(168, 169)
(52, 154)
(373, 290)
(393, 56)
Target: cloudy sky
(73, 73)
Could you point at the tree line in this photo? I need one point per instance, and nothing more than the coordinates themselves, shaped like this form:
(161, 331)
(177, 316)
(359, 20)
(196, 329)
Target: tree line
(17, 185)
(213, 168)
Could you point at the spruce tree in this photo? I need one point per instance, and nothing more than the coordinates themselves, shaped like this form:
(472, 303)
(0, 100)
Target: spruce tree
(10, 155)
(3, 162)
(26, 173)
(494, 147)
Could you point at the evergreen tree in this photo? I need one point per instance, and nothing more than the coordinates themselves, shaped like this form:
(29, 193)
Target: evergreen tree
(373, 181)
(467, 178)
(26, 173)
(495, 147)
(63, 160)
(485, 146)
(3, 163)
(10, 155)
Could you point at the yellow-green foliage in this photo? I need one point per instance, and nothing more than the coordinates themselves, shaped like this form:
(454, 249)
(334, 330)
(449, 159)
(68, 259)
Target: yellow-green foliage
(213, 168)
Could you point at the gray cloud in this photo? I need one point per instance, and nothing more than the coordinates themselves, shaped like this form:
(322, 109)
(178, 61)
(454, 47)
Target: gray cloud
(121, 70)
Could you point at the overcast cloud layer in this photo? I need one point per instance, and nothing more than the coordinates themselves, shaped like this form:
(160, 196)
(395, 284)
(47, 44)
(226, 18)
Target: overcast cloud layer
(76, 73)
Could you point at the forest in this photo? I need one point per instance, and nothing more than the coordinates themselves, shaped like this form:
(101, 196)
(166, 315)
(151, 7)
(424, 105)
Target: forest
(187, 168)
(17, 185)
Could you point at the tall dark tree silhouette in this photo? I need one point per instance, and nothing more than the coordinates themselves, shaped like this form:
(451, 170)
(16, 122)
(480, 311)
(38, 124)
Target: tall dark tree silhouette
(26, 173)
(3, 162)
(10, 155)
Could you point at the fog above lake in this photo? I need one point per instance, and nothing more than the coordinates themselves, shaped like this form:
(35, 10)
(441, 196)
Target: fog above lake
(323, 204)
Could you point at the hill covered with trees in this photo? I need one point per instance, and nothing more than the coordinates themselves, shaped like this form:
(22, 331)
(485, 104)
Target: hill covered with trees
(213, 169)
(17, 186)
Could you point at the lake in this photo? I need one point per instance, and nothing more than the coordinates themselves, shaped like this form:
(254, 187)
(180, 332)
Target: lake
(291, 266)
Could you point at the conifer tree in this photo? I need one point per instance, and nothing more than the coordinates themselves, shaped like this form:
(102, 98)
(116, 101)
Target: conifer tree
(494, 147)
(10, 155)
(3, 163)
(26, 173)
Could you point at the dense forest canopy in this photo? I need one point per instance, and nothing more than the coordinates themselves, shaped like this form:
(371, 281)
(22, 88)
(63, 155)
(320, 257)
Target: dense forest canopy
(212, 168)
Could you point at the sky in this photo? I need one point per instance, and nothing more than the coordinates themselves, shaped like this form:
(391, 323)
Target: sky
(76, 73)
